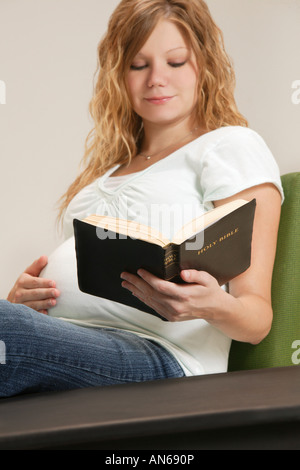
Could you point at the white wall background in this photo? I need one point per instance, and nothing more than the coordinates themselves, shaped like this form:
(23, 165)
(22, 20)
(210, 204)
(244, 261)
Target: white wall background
(47, 62)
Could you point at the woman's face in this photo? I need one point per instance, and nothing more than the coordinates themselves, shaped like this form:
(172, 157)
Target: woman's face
(162, 80)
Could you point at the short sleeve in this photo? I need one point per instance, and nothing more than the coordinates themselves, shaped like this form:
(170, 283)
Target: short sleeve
(239, 160)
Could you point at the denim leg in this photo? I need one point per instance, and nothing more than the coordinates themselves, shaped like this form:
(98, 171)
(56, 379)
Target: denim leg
(43, 353)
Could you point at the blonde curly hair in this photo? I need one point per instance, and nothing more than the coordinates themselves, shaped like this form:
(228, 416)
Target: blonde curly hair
(118, 130)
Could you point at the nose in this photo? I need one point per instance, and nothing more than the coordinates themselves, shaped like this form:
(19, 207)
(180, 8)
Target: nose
(157, 76)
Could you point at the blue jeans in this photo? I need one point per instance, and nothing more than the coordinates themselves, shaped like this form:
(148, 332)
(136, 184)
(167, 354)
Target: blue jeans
(42, 353)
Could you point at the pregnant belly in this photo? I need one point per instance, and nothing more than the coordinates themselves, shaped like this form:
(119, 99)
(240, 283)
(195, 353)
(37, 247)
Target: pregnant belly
(72, 303)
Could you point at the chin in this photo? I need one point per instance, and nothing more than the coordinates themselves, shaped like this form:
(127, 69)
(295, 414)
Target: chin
(163, 119)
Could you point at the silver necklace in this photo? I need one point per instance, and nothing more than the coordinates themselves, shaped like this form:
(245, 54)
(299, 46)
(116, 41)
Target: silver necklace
(169, 146)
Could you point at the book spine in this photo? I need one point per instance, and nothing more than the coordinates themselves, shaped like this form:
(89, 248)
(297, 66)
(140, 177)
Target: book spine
(171, 262)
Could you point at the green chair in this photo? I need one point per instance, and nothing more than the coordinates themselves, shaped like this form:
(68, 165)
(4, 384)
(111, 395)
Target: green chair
(280, 347)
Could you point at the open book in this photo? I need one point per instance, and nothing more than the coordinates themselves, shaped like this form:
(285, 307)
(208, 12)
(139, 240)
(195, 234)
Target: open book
(218, 242)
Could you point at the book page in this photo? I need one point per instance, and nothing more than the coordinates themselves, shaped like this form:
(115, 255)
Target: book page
(200, 223)
(128, 228)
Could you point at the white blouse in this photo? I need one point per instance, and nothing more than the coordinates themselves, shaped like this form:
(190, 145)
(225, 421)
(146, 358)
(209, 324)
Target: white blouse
(165, 195)
(113, 182)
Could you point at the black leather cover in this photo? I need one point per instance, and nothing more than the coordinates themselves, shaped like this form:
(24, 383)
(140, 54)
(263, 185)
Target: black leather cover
(102, 256)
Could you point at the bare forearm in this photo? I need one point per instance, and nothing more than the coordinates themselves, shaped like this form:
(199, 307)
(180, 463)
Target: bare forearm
(247, 318)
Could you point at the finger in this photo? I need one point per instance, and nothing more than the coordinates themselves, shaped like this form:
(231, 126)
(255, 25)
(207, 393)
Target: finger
(143, 290)
(37, 266)
(165, 288)
(131, 281)
(41, 305)
(27, 281)
(39, 294)
(138, 287)
(163, 304)
(135, 286)
(148, 299)
(44, 312)
(197, 277)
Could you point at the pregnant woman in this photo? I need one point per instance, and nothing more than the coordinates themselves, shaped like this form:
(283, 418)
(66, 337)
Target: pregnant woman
(167, 133)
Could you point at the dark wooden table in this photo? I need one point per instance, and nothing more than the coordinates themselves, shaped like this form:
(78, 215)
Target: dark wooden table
(257, 409)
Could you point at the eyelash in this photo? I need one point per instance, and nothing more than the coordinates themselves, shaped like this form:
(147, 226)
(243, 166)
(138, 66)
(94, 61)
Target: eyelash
(142, 67)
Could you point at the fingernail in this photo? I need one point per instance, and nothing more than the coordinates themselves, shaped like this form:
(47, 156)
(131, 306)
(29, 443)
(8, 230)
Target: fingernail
(56, 293)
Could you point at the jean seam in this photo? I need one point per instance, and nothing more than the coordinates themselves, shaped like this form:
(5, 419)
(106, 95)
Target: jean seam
(53, 361)
(75, 367)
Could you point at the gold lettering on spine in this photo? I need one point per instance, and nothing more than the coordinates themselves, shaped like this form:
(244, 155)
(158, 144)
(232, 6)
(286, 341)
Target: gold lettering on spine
(171, 258)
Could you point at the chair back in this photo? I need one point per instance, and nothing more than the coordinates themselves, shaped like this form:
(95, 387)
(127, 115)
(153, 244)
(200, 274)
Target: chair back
(282, 346)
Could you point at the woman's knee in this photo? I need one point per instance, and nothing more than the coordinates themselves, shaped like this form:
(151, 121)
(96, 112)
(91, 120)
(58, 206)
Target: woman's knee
(7, 307)
(14, 318)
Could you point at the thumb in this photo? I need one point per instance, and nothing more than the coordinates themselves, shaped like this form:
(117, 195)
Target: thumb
(37, 266)
(196, 277)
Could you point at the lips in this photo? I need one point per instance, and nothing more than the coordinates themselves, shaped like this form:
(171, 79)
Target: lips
(159, 99)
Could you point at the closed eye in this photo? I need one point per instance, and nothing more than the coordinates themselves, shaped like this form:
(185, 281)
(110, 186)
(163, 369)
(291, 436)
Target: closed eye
(138, 67)
(172, 64)
(176, 64)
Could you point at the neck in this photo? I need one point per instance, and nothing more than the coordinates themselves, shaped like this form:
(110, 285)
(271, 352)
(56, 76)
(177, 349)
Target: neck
(158, 137)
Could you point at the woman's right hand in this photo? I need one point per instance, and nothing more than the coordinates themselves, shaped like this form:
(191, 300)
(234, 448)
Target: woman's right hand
(36, 292)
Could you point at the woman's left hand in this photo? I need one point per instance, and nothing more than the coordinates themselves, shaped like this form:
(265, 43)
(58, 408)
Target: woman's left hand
(198, 298)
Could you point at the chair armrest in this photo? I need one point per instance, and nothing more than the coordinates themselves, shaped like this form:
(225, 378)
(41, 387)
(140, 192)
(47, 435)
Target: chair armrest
(188, 413)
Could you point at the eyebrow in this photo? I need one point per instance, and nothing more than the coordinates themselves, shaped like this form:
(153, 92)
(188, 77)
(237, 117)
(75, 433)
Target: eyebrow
(176, 48)
(170, 50)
